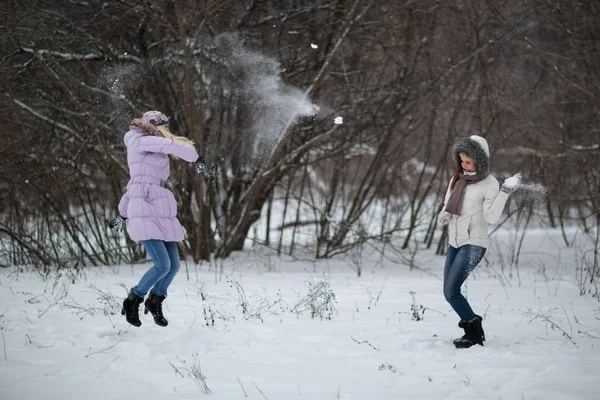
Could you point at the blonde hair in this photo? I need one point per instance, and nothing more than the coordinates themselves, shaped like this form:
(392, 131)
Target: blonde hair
(163, 130)
(166, 133)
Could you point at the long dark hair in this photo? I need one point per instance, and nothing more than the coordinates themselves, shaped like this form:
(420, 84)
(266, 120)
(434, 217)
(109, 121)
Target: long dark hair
(458, 170)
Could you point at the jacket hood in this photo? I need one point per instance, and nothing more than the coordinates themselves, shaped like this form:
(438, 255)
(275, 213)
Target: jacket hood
(475, 147)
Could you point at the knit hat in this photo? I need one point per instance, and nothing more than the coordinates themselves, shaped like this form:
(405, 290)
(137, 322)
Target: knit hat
(155, 118)
(476, 148)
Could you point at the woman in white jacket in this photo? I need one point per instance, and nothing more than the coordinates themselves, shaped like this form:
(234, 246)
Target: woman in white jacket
(473, 200)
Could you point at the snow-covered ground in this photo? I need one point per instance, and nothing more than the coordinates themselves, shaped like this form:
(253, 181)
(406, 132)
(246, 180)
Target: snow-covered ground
(389, 336)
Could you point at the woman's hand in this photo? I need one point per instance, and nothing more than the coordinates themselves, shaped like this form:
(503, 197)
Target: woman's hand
(202, 169)
(443, 218)
(511, 184)
(117, 225)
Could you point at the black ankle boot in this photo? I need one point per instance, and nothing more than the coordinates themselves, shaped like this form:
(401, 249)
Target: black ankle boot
(131, 309)
(481, 333)
(154, 305)
(461, 324)
(474, 333)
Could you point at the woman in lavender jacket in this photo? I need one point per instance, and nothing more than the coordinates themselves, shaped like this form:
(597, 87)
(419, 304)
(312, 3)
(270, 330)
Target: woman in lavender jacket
(150, 209)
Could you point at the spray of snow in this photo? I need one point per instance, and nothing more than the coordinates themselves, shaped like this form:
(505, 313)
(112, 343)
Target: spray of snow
(474, 256)
(533, 191)
(275, 104)
(113, 79)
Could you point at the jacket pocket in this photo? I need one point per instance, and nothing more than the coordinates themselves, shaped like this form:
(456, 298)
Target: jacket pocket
(477, 227)
(470, 227)
(463, 228)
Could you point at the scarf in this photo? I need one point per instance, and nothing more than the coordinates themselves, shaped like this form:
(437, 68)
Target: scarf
(456, 196)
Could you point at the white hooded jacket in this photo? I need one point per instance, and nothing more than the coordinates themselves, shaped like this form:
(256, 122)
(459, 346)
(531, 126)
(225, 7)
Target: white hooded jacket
(483, 202)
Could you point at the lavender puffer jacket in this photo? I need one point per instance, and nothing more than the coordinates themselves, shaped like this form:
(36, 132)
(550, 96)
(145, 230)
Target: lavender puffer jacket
(149, 207)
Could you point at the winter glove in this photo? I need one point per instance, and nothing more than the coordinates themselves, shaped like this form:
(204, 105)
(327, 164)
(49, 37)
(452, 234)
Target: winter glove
(202, 169)
(443, 218)
(511, 184)
(117, 225)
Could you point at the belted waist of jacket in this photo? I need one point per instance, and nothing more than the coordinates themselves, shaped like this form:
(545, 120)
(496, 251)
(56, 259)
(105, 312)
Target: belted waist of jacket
(147, 179)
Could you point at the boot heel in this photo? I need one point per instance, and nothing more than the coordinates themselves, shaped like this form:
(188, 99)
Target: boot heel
(122, 311)
(145, 310)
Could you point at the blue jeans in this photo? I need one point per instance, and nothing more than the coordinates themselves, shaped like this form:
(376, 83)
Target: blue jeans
(459, 264)
(166, 264)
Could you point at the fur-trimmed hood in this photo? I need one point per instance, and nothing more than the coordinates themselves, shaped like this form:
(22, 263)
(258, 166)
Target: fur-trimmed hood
(144, 127)
(475, 147)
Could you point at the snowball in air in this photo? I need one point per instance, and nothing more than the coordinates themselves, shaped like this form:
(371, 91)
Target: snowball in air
(314, 46)
(338, 120)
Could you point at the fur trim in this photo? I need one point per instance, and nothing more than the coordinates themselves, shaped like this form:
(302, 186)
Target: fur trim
(482, 142)
(144, 127)
(475, 147)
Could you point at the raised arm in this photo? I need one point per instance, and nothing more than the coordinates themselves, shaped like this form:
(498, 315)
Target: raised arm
(155, 144)
(494, 202)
